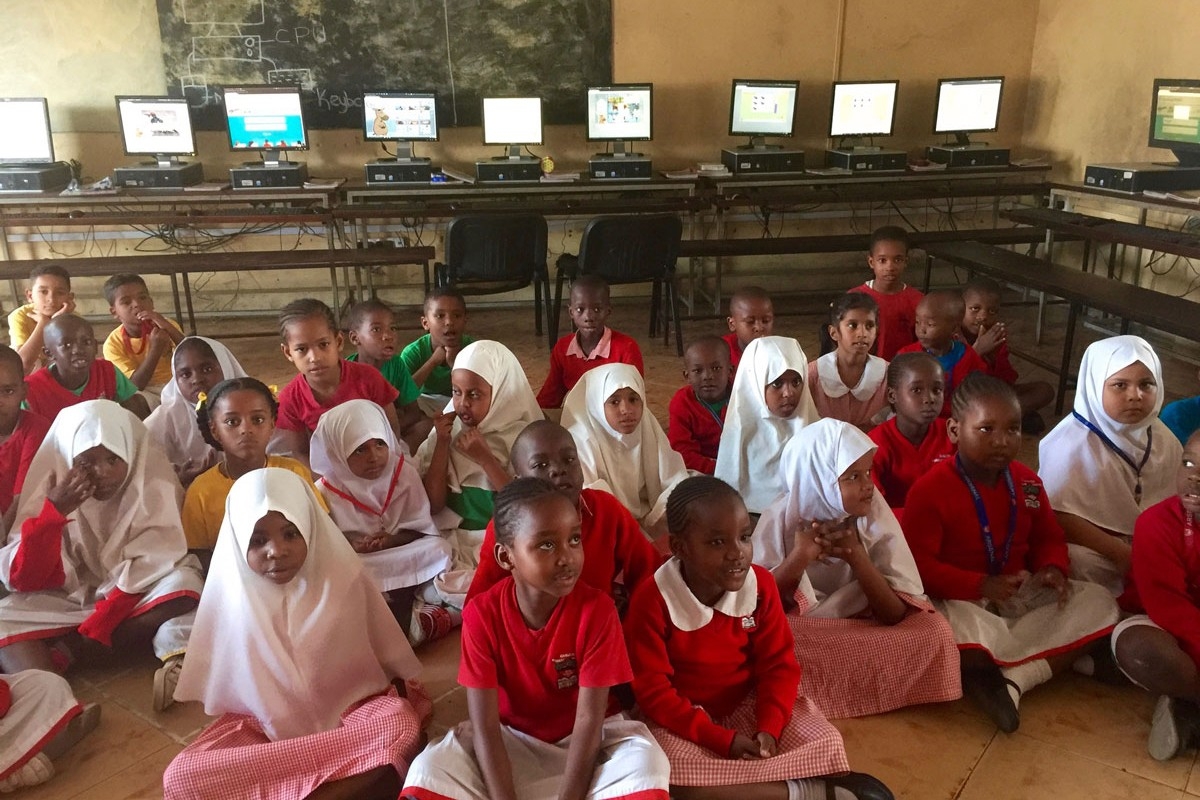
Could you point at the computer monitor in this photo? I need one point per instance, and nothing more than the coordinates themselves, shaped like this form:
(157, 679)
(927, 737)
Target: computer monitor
(513, 122)
(863, 108)
(1175, 118)
(156, 126)
(401, 117)
(762, 108)
(25, 131)
(266, 118)
(620, 113)
(967, 105)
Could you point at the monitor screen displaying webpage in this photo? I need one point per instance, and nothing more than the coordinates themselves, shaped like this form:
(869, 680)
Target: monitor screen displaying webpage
(512, 120)
(400, 116)
(25, 131)
(863, 108)
(966, 105)
(265, 118)
(763, 108)
(1176, 113)
(156, 125)
(619, 112)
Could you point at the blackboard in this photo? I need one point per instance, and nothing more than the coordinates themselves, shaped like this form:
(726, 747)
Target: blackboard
(335, 49)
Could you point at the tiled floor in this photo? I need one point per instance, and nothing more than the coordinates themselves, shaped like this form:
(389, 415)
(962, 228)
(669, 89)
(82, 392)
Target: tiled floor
(1078, 739)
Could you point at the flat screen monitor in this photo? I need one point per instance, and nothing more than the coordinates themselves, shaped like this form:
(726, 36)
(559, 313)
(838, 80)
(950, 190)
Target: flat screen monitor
(763, 108)
(156, 126)
(619, 113)
(267, 118)
(25, 131)
(400, 116)
(967, 105)
(512, 121)
(1175, 118)
(863, 108)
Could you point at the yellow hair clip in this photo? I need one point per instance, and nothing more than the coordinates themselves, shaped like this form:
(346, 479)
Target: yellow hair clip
(200, 400)
(274, 390)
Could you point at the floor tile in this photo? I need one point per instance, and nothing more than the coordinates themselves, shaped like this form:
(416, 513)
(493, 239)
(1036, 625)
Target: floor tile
(142, 781)
(439, 664)
(451, 709)
(134, 691)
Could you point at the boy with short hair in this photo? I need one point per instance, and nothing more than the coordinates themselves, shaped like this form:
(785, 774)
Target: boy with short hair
(49, 295)
(138, 345)
(431, 358)
(74, 374)
(983, 331)
(697, 411)
(591, 345)
(939, 316)
(897, 300)
(751, 316)
(21, 432)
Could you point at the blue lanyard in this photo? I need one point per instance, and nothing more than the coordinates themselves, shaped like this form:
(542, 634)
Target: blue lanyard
(1111, 445)
(994, 566)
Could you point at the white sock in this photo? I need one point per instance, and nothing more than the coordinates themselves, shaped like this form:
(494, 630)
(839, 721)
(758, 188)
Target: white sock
(1026, 676)
(814, 789)
(1085, 665)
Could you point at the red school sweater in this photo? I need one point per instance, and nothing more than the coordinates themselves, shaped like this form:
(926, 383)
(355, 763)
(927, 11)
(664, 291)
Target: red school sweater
(567, 369)
(1165, 574)
(968, 361)
(897, 319)
(898, 464)
(694, 430)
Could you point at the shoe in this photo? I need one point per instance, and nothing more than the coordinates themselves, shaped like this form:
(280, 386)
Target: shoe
(862, 785)
(1032, 424)
(166, 678)
(436, 622)
(36, 770)
(1172, 728)
(988, 689)
(1105, 668)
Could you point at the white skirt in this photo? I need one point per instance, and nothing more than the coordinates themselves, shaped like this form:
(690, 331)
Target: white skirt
(413, 564)
(42, 705)
(1088, 565)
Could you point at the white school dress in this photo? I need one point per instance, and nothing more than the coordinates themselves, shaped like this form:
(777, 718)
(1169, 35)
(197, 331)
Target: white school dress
(393, 502)
(853, 665)
(41, 705)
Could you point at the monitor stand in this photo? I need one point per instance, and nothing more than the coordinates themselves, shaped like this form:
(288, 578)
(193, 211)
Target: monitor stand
(1186, 158)
(34, 177)
(270, 173)
(167, 172)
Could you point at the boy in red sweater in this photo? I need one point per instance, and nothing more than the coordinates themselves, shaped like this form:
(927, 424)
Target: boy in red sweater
(593, 343)
(697, 411)
(751, 316)
(21, 432)
(897, 301)
(939, 315)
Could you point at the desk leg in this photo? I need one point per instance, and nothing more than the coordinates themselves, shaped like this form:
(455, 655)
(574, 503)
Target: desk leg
(928, 272)
(1064, 369)
(175, 299)
(337, 297)
(187, 296)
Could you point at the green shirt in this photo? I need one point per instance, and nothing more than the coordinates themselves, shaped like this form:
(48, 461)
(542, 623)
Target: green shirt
(417, 353)
(398, 375)
(474, 504)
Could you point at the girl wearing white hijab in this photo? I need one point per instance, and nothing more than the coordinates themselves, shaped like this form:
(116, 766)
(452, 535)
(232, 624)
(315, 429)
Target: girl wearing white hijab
(1111, 458)
(296, 649)
(867, 639)
(197, 365)
(97, 545)
(638, 466)
(40, 720)
(754, 435)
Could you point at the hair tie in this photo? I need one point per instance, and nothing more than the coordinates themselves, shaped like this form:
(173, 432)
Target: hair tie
(273, 389)
(200, 400)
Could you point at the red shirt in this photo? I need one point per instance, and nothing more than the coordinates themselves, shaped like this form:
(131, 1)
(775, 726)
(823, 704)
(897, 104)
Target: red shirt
(538, 673)
(946, 538)
(735, 351)
(999, 365)
(16, 453)
(300, 411)
(898, 464)
(1165, 573)
(897, 319)
(48, 397)
(612, 543)
(694, 430)
(968, 361)
(566, 370)
(685, 679)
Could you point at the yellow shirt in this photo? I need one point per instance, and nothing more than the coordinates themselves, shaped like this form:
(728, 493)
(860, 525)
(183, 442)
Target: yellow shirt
(20, 325)
(130, 358)
(204, 504)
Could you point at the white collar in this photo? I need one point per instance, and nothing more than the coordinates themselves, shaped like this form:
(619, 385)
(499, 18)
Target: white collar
(874, 374)
(688, 613)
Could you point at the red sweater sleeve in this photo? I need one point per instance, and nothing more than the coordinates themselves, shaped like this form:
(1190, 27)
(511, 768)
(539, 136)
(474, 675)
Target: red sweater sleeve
(37, 565)
(646, 633)
(636, 557)
(1000, 366)
(682, 434)
(554, 389)
(1161, 574)
(925, 530)
(777, 673)
(110, 612)
(5, 697)
(626, 351)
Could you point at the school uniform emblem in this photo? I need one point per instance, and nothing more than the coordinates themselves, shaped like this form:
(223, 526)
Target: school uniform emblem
(749, 623)
(567, 668)
(1031, 491)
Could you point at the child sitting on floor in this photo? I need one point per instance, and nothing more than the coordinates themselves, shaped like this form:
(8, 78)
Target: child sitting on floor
(21, 432)
(866, 637)
(714, 669)
(372, 330)
(939, 317)
(1182, 417)
(915, 439)
(314, 703)
(751, 316)
(376, 497)
(197, 365)
(897, 301)
(770, 404)
(40, 720)
(849, 383)
(141, 346)
(431, 357)
(75, 375)
(49, 295)
(540, 651)
(994, 559)
(697, 410)
(622, 448)
(591, 345)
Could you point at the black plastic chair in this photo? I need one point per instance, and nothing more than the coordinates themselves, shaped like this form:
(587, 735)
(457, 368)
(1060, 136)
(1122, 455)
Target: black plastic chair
(629, 249)
(494, 253)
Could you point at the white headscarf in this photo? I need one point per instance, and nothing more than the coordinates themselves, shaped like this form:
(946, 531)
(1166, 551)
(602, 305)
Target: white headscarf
(639, 468)
(513, 407)
(753, 437)
(392, 501)
(129, 541)
(173, 424)
(1083, 476)
(295, 656)
(810, 467)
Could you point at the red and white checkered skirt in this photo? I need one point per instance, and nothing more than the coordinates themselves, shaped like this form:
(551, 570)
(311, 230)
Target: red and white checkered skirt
(234, 758)
(809, 747)
(860, 667)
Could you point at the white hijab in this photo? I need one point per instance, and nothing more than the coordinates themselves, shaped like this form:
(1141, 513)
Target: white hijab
(295, 656)
(753, 437)
(129, 541)
(359, 505)
(1082, 476)
(639, 468)
(173, 424)
(810, 467)
(513, 407)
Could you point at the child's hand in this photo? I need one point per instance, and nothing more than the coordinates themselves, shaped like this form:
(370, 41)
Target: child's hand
(444, 424)
(767, 746)
(842, 541)
(1054, 579)
(450, 354)
(153, 318)
(67, 496)
(472, 444)
(999, 588)
(159, 338)
(67, 308)
(439, 356)
(744, 747)
(987, 341)
(806, 548)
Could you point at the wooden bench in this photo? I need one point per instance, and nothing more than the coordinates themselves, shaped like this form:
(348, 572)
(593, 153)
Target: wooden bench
(1079, 290)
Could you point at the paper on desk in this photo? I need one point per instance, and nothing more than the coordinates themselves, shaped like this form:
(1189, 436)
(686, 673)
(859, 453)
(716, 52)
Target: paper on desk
(207, 186)
(323, 183)
(560, 177)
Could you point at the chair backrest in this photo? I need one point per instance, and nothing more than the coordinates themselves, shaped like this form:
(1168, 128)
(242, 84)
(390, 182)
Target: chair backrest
(496, 247)
(629, 248)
